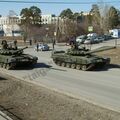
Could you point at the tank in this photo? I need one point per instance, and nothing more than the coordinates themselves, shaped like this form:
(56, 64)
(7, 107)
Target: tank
(11, 58)
(79, 58)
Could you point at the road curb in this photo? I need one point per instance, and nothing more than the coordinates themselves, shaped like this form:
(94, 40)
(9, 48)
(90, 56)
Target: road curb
(4, 116)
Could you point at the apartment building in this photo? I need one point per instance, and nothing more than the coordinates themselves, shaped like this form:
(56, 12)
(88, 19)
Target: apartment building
(49, 19)
(10, 26)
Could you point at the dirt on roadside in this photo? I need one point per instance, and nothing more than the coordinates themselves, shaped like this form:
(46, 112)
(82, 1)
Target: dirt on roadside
(114, 55)
(27, 101)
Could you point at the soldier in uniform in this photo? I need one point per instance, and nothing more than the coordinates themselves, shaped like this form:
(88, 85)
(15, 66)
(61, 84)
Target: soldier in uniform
(4, 44)
(74, 46)
(37, 45)
(30, 42)
(53, 43)
(15, 44)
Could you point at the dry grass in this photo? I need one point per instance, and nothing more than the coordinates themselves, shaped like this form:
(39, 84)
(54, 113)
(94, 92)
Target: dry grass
(114, 54)
(31, 102)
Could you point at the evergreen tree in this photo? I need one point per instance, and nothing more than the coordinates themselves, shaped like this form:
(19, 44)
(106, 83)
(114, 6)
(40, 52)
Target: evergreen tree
(113, 18)
(67, 14)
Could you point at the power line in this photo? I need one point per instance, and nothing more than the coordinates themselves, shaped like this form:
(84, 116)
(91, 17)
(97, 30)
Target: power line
(23, 1)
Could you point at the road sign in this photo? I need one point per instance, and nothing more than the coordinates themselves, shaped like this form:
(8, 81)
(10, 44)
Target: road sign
(90, 28)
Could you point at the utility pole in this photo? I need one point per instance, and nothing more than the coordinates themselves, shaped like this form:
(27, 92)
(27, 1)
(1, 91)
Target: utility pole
(115, 42)
(57, 30)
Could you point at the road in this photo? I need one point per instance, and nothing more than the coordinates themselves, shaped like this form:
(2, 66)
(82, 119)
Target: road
(3, 116)
(98, 87)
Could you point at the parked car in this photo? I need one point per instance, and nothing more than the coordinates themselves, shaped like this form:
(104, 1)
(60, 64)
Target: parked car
(81, 39)
(42, 47)
(108, 37)
(93, 35)
(89, 40)
(99, 39)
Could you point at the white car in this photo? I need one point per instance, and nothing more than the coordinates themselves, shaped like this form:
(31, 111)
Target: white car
(42, 47)
(81, 39)
(89, 41)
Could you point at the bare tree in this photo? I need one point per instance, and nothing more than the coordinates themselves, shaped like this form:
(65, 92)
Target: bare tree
(103, 9)
(66, 28)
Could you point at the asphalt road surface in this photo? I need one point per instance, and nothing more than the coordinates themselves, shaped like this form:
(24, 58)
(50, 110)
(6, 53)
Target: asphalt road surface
(100, 87)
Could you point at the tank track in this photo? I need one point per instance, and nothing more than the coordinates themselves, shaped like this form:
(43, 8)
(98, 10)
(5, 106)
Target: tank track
(7, 66)
(5, 52)
(74, 66)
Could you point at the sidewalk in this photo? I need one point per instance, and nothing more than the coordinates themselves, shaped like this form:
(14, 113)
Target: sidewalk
(4, 116)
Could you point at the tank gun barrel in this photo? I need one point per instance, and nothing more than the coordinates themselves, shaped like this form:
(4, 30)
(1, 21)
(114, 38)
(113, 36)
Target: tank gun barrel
(19, 51)
(104, 48)
(83, 51)
(23, 48)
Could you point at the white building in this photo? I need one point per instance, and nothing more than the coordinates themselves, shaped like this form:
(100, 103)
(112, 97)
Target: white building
(10, 25)
(49, 19)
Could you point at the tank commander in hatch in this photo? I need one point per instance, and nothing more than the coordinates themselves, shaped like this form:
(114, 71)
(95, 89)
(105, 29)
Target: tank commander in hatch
(15, 44)
(74, 46)
(4, 44)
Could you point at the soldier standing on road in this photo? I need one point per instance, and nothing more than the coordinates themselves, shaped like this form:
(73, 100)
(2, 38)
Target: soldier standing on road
(37, 47)
(30, 42)
(53, 43)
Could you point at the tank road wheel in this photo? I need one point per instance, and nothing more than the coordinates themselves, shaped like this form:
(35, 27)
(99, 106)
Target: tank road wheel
(4, 65)
(55, 61)
(13, 65)
(58, 63)
(68, 65)
(73, 66)
(1, 65)
(84, 67)
(34, 62)
(63, 64)
(8, 66)
(78, 67)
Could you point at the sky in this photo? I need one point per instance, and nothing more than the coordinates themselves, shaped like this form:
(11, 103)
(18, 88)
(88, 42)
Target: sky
(53, 8)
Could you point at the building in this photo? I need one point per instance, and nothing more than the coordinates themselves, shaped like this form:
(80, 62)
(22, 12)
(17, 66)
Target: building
(49, 19)
(10, 25)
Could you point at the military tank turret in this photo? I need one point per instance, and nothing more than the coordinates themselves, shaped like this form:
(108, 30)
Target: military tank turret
(10, 58)
(76, 58)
